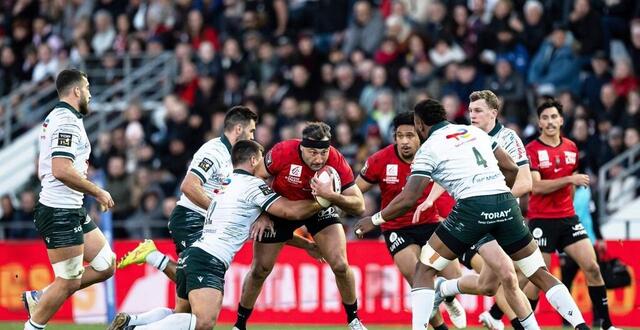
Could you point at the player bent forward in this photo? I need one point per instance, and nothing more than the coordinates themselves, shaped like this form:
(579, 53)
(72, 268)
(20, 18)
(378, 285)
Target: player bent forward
(460, 158)
(201, 267)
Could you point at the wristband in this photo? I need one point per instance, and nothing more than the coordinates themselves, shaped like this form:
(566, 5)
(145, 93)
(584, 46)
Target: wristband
(377, 219)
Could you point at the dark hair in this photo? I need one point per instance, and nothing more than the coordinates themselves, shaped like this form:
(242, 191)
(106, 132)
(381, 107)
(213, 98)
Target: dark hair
(549, 103)
(238, 115)
(243, 150)
(317, 131)
(488, 96)
(430, 111)
(403, 118)
(67, 79)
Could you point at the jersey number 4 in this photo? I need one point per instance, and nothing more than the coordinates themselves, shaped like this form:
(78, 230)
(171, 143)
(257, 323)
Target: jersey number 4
(479, 160)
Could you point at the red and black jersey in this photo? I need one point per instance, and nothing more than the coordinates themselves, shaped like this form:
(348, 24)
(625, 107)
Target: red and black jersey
(552, 163)
(291, 175)
(388, 170)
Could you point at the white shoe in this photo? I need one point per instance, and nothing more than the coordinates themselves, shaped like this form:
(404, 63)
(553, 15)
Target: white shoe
(456, 313)
(489, 322)
(356, 325)
(438, 298)
(30, 300)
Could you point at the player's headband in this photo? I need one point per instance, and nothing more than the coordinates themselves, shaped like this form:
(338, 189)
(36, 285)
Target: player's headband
(308, 143)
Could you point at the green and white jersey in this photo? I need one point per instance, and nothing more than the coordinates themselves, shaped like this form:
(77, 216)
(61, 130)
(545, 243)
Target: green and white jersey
(508, 140)
(231, 214)
(212, 164)
(460, 158)
(62, 135)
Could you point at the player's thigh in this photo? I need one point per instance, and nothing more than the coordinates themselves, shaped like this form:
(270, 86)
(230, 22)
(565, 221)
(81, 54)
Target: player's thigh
(182, 306)
(332, 243)
(477, 263)
(205, 304)
(581, 252)
(406, 260)
(64, 253)
(265, 255)
(94, 241)
(452, 270)
(496, 260)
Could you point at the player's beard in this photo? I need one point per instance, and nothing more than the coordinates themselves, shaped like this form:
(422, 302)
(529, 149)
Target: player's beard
(84, 105)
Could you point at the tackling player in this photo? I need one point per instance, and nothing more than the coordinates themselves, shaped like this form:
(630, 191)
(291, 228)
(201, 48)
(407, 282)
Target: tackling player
(465, 161)
(71, 237)
(202, 266)
(389, 168)
(293, 164)
(553, 221)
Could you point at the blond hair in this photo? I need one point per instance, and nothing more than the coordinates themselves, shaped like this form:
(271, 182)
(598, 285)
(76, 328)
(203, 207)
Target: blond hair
(488, 96)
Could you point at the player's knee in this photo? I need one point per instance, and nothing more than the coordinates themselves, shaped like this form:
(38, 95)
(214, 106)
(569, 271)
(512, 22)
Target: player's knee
(340, 267)
(104, 262)
(592, 271)
(68, 286)
(204, 323)
(508, 280)
(260, 271)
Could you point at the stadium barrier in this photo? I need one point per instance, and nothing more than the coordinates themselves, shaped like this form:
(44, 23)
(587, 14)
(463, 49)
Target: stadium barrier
(300, 289)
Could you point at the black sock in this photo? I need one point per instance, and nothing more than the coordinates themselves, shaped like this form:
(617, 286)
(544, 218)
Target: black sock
(442, 326)
(496, 312)
(598, 295)
(582, 326)
(449, 299)
(351, 310)
(516, 324)
(243, 316)
(533, 303)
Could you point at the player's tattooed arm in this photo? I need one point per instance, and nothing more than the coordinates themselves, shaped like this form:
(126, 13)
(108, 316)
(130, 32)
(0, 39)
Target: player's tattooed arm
(192, 187)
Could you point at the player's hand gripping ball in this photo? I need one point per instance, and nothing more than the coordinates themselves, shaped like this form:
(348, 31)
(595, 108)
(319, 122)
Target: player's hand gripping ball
(327, 174)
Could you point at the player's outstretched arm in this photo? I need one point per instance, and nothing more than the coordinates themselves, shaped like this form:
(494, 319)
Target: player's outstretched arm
(293, 210)
(507, 166)
(63, 170)
(192, 187)
(542, 187)
(523, 184)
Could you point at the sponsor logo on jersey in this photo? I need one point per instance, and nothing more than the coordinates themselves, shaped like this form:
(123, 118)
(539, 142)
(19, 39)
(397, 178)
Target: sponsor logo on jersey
(543, 158)
(266, 190)
(392, 174)
(268, 159)
(396, 241)
(295, 172)
(461, 133)
(569, 157)
(205, 164)
(496, 215)
(200, 278)
(64, 139)
(537, 233)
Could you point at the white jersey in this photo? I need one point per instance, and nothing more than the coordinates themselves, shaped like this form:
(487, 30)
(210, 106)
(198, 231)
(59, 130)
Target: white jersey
(62, 135)
(212, 164)
(460, 158)
(231, 214)
(508, 140)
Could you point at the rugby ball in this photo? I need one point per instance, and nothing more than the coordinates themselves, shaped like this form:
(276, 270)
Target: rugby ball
(324, 175)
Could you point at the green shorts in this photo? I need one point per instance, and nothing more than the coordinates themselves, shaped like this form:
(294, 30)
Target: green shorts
(185, 227)
(198, 269)
(473, 218)
(62, 227)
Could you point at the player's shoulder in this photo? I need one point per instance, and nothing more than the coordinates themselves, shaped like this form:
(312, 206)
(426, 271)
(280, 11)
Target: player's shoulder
(61, 115)
(534, 145)
(387, 153)
(568, 143)
(213, 146)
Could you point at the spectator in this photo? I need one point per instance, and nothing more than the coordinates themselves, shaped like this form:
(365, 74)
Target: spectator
(535, 28)
(119, 184)
(624, 81)
(585, 24)
(462, 32)
(47, 65)
(366, 30)
(347, 82)
(614, 145)
(371, 91)
(9, 71)
(554, 67)
(467, 79)
(592, 84)
(509, 48)
(588, 147)
(24, 216)
(7, 212)
(436, 24)
(454, 109)
(510, 88)
(383, 114)
(634, 47)
(444, 52)
(611, 105)
(149, 211)
(631, 116)
(105, 33)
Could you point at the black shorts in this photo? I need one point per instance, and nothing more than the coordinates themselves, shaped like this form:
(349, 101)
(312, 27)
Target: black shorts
(283, 229)
(62, 227)
(198, 269)
(556, 234)
(398, 239)
(467, 256)
(185, 227)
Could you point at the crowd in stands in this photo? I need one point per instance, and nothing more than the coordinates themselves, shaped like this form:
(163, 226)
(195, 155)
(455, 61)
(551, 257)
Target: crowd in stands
(353, 64)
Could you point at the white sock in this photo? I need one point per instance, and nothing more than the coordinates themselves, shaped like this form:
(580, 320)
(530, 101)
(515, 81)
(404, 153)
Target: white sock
(177, 321)
(151, 316)
(561, 300)
(449, 288)
(530, 322)
(421, 307)
(157, 260)
(30, 325)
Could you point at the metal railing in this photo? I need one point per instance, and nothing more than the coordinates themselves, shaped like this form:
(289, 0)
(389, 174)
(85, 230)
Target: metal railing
(630, 162)
(26, 106)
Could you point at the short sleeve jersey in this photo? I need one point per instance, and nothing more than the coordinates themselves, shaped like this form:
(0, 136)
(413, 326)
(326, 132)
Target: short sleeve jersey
(386, 169)
(291, 175)
(508, 140)
(460, 158)
(212, 165)
(231, 214)
(63, 135)
(552, 163)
